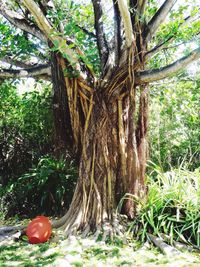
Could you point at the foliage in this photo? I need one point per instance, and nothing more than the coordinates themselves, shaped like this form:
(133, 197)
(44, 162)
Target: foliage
(78, 17)
(178, 33)
(47, 188)
(25, 136)
(172, 207)
(25, 129)
(37, 117)
(15, 43)
(174, 123)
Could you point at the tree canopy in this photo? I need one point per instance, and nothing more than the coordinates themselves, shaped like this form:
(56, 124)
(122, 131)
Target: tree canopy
(91, 32)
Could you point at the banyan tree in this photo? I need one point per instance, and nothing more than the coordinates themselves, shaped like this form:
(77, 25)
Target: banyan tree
(98, 55)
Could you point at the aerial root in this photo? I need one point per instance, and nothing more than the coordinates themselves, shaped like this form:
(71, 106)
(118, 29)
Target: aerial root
(97, 233)
(105, 231)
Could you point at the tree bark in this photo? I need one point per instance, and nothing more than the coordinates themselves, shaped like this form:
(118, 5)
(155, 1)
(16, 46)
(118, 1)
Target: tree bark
(113, 148)
(62, 123)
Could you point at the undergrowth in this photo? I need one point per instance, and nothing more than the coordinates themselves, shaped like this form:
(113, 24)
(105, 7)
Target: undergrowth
(172, 207)
(47, 188)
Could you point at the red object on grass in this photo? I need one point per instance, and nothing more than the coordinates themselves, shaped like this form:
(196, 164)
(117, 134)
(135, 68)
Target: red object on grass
(39, 230)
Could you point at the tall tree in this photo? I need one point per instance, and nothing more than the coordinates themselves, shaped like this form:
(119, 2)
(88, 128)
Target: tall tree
(99, 59)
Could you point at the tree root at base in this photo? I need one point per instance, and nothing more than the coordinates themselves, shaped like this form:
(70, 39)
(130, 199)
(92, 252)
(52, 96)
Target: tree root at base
(164, 247)
(106, 231)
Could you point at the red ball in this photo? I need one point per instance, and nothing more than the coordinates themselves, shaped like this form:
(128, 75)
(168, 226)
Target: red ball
(39, 230)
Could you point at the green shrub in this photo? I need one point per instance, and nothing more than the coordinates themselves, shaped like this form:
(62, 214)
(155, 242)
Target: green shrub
(47, 188)
(26, 129)
(172, 207)
(174, 123)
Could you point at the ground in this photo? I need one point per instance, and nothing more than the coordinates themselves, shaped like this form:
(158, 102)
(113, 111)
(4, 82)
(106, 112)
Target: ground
(77, 252)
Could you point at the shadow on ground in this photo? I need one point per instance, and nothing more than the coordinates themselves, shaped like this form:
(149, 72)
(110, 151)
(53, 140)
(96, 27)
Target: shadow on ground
(79, 252)
(26, 255)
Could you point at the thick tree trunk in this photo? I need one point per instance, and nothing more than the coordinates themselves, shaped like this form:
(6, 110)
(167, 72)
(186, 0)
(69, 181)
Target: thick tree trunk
(62, 123)
(113, 145)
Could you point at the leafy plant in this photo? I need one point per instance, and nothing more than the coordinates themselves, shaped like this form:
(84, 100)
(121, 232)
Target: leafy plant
(172, 207)
(47, 188)
(174, 123)
(25, 129)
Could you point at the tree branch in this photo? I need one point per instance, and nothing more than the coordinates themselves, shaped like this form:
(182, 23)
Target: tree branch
(158, 18)
(163, 47)
(126, 18)
(117, 32)
(50, 33)
(40, 71)
(41, 20)
(17, 63)
(164, 247)
(164, 72)
(101, 39)
(21, 23)
(86, 31)
(160, 46)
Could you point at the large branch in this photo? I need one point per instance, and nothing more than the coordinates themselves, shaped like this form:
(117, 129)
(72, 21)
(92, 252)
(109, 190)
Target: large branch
(158, 18)
(126, 18)
(99, 27)
(17, 63)
(21, 23)
(48, 30)
(164, 72)
(38, 15)
(41, 71)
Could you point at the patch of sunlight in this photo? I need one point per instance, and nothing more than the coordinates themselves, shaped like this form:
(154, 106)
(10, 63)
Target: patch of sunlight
(77, 251)
(28, 85)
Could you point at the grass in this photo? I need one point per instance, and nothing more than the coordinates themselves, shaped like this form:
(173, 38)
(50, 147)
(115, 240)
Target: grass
(23, 254)
(80, 252)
